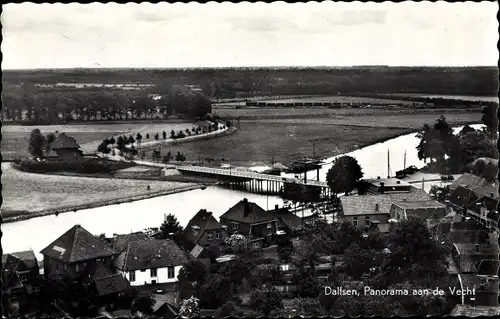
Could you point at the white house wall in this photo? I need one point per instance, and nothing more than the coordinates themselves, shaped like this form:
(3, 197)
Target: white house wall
(144, 277)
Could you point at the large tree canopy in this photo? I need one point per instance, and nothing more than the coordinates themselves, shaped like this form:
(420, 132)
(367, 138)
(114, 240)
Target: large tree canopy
(344, 175)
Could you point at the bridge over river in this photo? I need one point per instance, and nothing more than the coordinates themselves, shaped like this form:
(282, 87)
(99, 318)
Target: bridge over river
(253, 181)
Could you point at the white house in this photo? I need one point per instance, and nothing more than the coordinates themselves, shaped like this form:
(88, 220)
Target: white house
(151, 261)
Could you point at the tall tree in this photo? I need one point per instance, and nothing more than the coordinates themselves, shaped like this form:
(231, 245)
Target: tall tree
(37, 143)
(343, 176)
(170, 227)
(489, 117)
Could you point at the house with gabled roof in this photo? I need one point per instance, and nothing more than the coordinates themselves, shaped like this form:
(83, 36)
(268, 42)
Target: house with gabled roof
(204, 231)
(65, 147)
(470, 181)
(148, 261)
(427, 209)
(252, 221)
(20, 274)
(120, 241)
(76, 253)
(363, 210)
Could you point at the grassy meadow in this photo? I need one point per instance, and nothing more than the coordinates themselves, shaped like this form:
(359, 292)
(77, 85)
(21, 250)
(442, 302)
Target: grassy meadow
(27, 192)
(288, 134)
(15, 137)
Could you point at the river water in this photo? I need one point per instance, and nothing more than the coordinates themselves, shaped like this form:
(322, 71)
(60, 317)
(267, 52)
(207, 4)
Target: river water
(37, 233)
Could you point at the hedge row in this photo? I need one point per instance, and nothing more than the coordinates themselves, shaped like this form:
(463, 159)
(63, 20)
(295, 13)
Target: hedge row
(87, 166)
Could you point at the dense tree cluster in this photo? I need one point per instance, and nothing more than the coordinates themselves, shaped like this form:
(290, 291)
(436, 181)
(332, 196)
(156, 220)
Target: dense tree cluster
(344, 175)
(33, 104)
(462, 149)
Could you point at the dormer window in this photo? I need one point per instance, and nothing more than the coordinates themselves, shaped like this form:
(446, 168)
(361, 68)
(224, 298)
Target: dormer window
(210, 236)
(217, 235)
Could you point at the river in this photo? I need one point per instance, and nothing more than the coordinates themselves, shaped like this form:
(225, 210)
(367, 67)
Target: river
(37, 233)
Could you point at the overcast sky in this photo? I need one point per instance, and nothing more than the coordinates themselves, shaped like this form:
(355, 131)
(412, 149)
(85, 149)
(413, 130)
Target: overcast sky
(221, 35)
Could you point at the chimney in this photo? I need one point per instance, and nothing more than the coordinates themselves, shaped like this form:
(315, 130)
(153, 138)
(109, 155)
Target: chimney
(376, 207)
(382, 184)
(398, 182)
(477, 248)
(246, 208)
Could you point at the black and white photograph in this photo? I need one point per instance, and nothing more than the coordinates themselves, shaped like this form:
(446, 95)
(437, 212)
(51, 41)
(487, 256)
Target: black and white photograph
(246, 160)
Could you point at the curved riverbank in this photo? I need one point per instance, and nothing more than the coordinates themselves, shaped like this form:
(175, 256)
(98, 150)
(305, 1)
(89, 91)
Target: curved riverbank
(15, 216)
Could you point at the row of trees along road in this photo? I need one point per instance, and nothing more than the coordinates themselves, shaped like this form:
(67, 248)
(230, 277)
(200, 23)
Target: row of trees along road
(462, 149)
(40, 105)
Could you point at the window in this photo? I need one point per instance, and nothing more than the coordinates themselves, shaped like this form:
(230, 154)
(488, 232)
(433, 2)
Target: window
(171, 272)
(77, 268)
(131, 276)
(269, 225)
(65, 267)
(367, 221)
(210, 236)
(235, 225)
(153, 282)
(355, 221)
(217, 235)
(256, 245)
(153, 272)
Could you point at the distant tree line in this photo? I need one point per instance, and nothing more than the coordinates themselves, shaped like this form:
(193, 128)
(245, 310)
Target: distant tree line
(244, 82)
(32, 104)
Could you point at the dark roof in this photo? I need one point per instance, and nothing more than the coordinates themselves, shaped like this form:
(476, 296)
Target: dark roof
(114, 283)
(469, 180)
(102, 272)
(75, 245)
(63, 141)
(10, 279)
(27, 258)
(292, 221)
(147, 254)
(487, 202)
(484, 249)
(120, 242)
(486, 191)
(255, 213)
(489, 267)
(462, 196)
(202, 221)
(366, 204)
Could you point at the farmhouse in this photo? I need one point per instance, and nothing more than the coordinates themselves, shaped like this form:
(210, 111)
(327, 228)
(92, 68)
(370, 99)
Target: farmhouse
(148, 261)
(65, 147)
(75, 254)
(203, 230)
(252, 221)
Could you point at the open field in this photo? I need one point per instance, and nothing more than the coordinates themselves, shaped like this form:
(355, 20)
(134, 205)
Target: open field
(337, 99)
(15, 137)
(255, 113)
(262, 138)
(452, 97)
(25, 193)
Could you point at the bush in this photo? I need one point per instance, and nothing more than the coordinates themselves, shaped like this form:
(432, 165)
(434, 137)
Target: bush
(87, 166)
